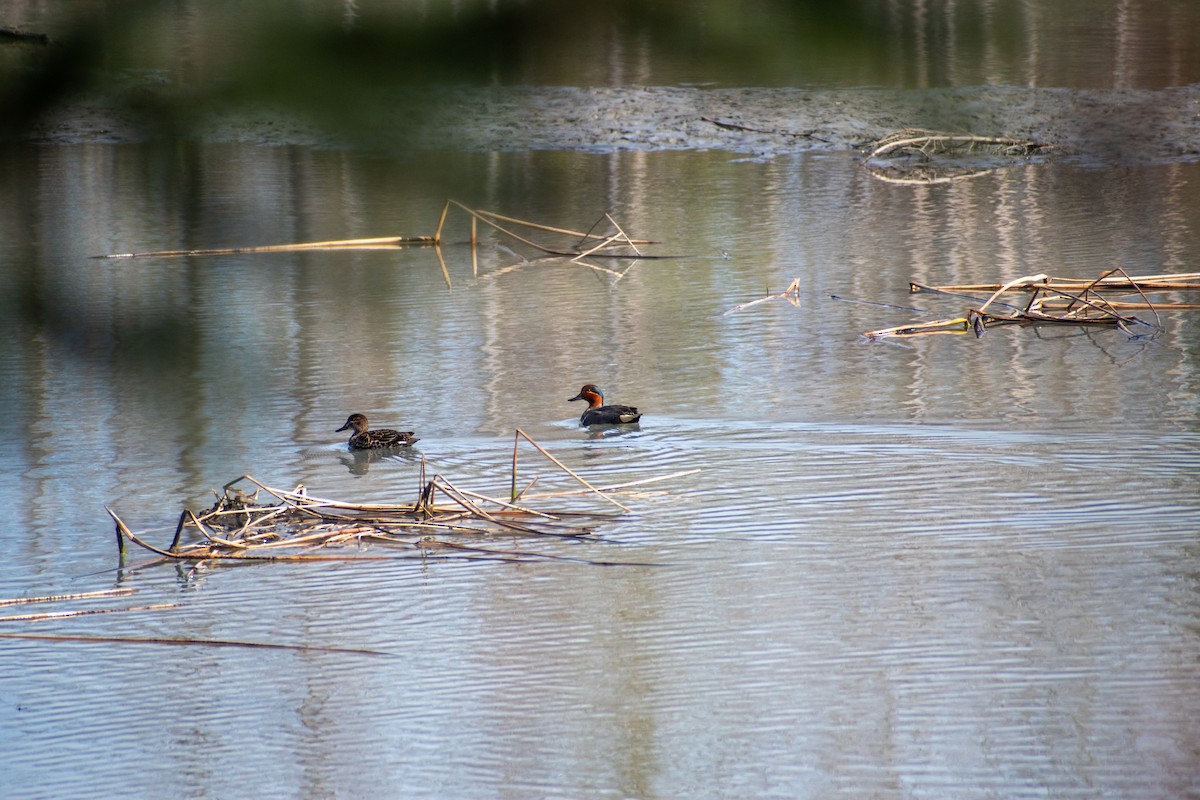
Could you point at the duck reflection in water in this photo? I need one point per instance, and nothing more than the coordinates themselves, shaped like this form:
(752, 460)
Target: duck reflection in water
(358, 462)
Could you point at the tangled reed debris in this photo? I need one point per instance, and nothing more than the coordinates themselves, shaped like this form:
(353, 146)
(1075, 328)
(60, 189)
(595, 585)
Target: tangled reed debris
(445, 521)
(605, 239)
(1058, 301)
(913, 155)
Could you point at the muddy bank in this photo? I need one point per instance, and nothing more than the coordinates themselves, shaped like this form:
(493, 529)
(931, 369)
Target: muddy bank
(1101, 126)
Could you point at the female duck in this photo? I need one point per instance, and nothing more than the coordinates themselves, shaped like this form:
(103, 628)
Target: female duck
(365, 439)
(599, 414)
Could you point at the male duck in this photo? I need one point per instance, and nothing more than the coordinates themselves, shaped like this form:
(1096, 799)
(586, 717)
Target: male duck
(364, 439)
(599, 414)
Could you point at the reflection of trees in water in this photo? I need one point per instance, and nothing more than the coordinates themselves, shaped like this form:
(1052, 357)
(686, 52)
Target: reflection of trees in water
(341, 66)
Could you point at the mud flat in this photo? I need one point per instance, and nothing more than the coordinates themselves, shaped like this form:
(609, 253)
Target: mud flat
(1113, 125)
(1101, 126)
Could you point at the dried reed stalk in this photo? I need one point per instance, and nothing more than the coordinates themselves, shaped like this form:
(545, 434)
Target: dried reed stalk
(568, 470)
(791, 294)
(56, 598)
(1186, 281)
(959, 325)
(615, 486)
(200, 642)
(84, 612)
(454, 494)
(547, 228)
(374, 243)
(1122, 305)
(588, 243)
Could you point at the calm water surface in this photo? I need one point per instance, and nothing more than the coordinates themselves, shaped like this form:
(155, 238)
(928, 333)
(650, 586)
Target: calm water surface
(938, 567)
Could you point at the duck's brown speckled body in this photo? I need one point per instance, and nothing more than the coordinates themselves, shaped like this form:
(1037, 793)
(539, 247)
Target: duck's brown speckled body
(364, 438)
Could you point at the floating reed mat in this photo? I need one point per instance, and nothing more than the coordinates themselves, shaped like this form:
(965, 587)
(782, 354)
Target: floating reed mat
(913, 155)
(251, 521)
(1060, 301)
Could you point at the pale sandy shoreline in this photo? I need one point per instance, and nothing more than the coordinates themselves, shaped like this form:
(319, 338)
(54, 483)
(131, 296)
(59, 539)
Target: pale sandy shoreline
(1097, 126)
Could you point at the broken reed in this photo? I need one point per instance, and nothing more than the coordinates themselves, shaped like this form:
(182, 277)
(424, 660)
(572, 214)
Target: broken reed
(1057, 301)
(791, 294)
(921, 156)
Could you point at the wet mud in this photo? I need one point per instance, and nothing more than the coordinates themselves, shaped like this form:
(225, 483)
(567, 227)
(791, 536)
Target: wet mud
(1101, 126)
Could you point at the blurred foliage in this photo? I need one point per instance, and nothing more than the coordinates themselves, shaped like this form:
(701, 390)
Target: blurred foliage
(171, 63)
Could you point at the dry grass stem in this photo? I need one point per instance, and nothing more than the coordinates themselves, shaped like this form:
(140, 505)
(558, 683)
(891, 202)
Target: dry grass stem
(58, 598)
(547, 228)
(374, 243)
(84, 613)
(604, 243)
(489, 219)
(616, 486)
(568, 470)
(791, 294)
(48, 637)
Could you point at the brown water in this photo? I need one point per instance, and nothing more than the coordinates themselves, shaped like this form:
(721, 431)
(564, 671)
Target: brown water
(931, 567)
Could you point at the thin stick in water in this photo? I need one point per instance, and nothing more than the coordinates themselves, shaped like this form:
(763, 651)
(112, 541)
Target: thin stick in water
(56, 598)
(570, 472)
(49, 637)
(84, 612)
